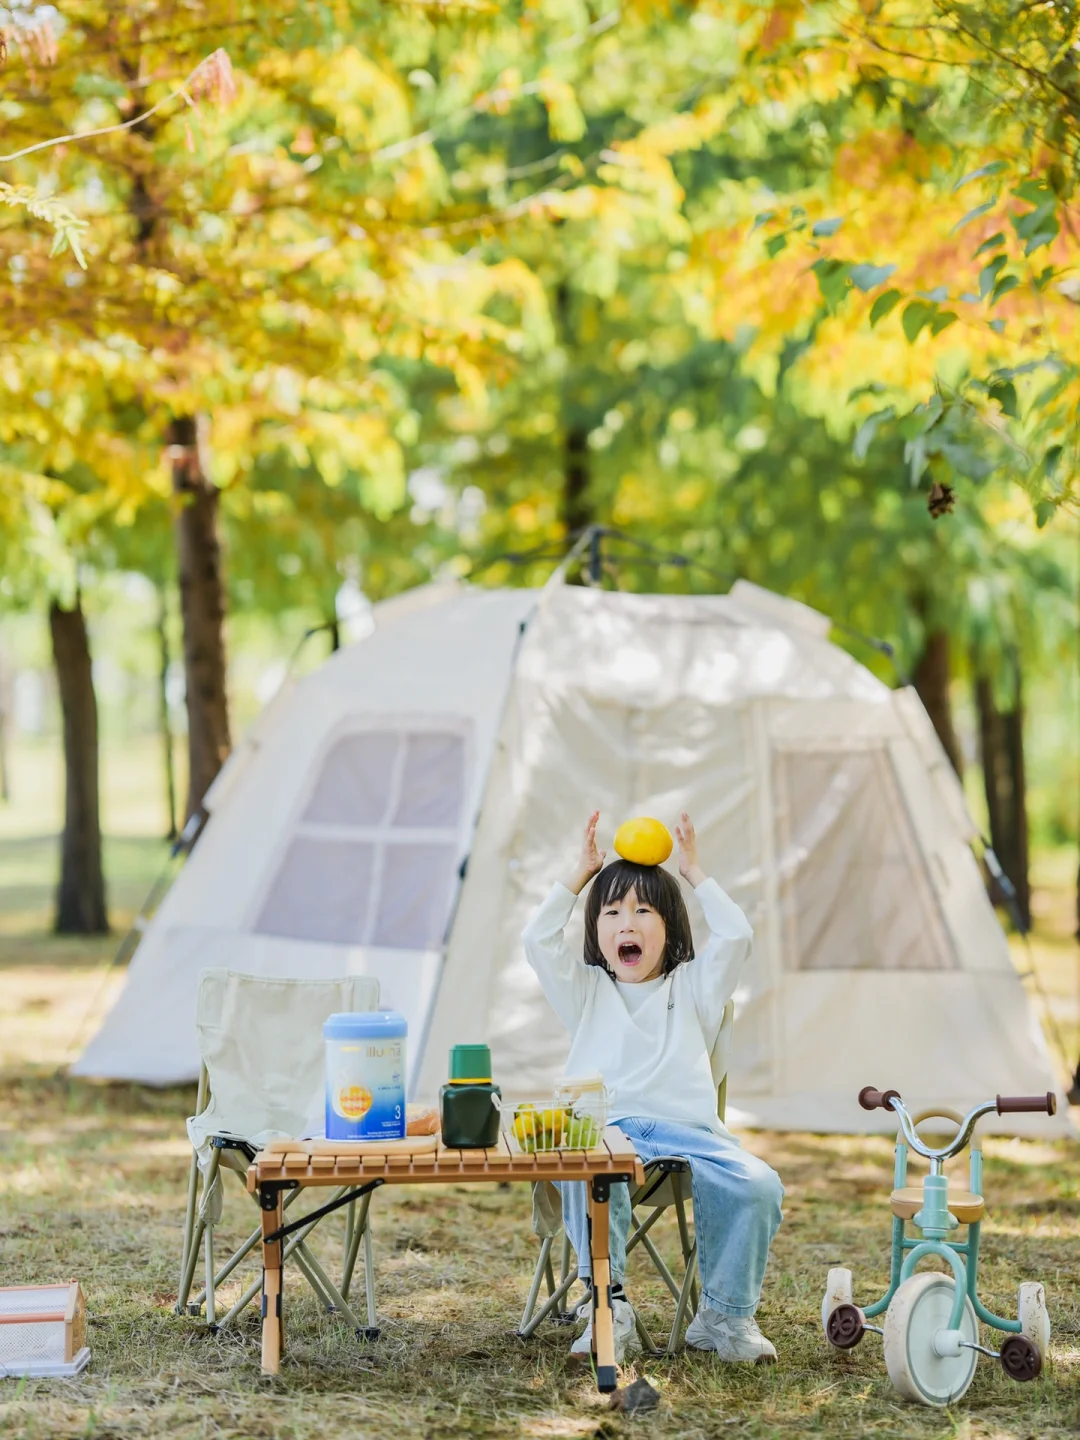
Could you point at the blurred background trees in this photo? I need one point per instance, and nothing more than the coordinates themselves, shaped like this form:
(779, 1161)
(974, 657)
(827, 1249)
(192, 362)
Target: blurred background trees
(346, 298)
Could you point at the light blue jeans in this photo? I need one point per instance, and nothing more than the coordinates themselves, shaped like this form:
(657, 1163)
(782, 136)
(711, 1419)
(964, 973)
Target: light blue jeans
(736, 1211)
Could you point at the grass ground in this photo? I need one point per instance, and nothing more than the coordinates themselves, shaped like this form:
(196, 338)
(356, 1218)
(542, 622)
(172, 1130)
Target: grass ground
(92, 1187)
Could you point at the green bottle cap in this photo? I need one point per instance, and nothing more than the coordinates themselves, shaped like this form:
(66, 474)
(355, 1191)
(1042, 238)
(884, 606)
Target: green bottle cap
(470, 1062)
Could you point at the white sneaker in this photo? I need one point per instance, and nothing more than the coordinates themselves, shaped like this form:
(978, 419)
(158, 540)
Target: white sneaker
(733, 1337)
(626, 1338)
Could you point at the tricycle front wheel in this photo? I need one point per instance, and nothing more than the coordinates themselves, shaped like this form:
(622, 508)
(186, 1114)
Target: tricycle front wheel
(920, 1308)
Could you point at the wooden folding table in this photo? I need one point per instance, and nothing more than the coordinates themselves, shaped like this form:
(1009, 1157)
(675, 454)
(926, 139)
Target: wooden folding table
(290, 1165)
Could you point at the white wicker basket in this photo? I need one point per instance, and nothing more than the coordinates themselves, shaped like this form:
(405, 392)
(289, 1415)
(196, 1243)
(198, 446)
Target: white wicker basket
(572, 1117)
(42, 1330)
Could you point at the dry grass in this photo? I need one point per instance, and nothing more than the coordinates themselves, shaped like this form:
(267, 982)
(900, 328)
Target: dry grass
(92, 1187)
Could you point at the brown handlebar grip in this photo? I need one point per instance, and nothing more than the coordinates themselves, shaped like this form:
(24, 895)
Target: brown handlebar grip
(871, 1099)
(1019, 1104)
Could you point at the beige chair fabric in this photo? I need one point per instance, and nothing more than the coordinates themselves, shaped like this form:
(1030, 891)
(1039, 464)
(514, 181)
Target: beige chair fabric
(261, 1042)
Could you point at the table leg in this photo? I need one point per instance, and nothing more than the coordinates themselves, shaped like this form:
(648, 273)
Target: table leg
(603, 1332)
(273, 1336)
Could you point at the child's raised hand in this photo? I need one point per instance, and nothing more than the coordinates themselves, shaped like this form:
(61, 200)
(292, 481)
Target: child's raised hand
(688, 855)
(591, 858)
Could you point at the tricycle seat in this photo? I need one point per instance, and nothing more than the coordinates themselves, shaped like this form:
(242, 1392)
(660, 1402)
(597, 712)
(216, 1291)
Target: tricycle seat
(964, 1204)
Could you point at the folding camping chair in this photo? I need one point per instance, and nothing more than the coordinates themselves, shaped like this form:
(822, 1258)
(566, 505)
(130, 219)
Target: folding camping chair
(667, 1186)
(261, 1079)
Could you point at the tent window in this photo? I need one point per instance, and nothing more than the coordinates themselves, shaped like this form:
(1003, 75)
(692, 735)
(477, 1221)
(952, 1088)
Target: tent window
(353, 787)
(373, 858)
(416, 880)
(432, 782)
(322, 891)
(855, 892)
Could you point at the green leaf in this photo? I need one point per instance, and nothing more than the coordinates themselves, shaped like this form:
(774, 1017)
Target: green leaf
(833, 280)
(1045, 510)
(915, 317)
(991, 244)
(1003, 286)
(974, 214)
(868, 429)
(763, 219)
(1050, 460)
(989, 273)
(775, 245)
(1004, 392)
(1035, 192)
(1041, 237)
(93, 86)
(936, 295)
(826, 227)
(998, 327)
(973, 299)
(869, 277)
(942, 320)
(995, 167)
(884, 304)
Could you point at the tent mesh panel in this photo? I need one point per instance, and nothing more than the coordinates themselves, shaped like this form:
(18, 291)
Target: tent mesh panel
(372, 859)
(855, 892)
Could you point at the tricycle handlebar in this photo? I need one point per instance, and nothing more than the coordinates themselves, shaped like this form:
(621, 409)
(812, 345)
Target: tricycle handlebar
(871, 1099)
(1019, 1104)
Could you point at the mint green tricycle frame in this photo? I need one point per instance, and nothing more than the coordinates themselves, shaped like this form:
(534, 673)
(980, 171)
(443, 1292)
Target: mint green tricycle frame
(936, 1222)
(1021, 1352)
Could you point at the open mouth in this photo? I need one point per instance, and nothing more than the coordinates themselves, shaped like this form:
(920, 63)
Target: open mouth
(629, 953)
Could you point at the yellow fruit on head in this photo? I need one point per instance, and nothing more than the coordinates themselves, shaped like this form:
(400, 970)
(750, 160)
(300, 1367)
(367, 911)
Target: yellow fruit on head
(643, 841)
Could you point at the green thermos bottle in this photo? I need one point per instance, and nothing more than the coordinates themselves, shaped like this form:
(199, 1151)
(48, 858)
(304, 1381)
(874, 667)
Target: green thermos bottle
(470, 1116)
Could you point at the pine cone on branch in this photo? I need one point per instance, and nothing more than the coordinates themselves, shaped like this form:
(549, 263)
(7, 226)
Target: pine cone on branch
(941, 500)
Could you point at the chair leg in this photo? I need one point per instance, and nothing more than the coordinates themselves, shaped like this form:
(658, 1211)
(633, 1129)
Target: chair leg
(234, 1260)
(256, 1285)
(208, 1241)
(544, 1263)
(361, 1222)
(369, 1282)
(564, 1266)
(192, 1192)
(548, 1306)
(685, 1294)
(664, 1272)
(308, 1263)
(189, 1266)
(350, 1223)
(688, 1247)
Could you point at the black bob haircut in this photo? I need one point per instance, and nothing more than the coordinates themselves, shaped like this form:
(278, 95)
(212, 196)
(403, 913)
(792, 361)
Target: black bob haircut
(655, 887)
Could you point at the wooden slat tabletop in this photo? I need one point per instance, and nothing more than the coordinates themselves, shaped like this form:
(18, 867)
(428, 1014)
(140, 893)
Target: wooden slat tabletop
(291, 1160)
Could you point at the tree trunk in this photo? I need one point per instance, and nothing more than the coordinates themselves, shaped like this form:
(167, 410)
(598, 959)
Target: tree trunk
(80, 897)
(577, 512)
(202, 606)
(576, 505)
(931, 680)
(163, 712)
(1001, 747)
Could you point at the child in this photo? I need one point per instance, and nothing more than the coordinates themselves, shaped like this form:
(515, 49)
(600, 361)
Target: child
(645, 1013)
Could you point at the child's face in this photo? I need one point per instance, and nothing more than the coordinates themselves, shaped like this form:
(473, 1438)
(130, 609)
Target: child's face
(631, 936)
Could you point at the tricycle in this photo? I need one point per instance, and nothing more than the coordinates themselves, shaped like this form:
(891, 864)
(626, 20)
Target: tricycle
(931, 1329)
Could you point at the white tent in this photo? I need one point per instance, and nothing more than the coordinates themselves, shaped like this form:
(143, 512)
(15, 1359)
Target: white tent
(400, 811)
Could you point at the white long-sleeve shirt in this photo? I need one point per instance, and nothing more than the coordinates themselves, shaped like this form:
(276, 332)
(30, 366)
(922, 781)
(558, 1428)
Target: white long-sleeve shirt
(651, 1039)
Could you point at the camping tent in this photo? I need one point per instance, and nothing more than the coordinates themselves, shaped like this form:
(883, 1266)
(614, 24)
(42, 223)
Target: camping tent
(400, 811)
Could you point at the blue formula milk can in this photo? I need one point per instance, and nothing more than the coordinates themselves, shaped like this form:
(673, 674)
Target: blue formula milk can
(365, 1075)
